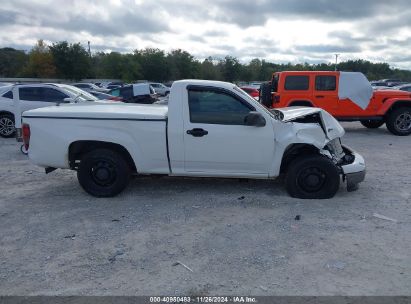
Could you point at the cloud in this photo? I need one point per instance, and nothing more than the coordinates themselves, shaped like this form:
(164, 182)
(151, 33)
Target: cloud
(247, 13)
(326, 48)
(277, 30)
(117, 21)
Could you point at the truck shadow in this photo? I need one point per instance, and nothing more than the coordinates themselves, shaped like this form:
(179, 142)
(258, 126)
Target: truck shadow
(204, 185)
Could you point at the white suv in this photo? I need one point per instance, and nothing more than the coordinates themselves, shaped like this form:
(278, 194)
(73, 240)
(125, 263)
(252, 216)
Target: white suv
(32, 96)
(160, 88)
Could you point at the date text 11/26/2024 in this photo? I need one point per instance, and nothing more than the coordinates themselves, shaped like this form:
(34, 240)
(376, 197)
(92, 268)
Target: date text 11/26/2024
(202, 299)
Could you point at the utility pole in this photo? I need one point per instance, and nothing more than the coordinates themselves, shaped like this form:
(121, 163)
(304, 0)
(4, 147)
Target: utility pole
(336, 61)
(89, 52)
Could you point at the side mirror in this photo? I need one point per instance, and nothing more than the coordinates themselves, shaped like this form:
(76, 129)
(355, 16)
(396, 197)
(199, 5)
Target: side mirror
(254, 119)
(68, 99)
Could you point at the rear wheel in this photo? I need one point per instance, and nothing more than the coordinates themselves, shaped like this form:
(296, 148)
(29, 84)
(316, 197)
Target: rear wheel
(103, 173)
(7, 127)
(372, 124)
(312, 177)
(399, 121)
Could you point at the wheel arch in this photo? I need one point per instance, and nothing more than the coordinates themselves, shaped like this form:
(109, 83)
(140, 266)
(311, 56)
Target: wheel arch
(78, 148)
(392, 104)
(295, 150)
(6, 112)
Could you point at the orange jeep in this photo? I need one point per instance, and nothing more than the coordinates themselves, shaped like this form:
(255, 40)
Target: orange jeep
(348, 96)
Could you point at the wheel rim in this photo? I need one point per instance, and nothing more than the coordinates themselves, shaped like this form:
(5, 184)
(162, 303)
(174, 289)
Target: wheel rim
(403, 121)
(103, 172)
(6, 126)
(311, 179)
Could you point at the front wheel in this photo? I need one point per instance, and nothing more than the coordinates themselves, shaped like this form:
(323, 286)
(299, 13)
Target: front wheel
(312, 177)
(7, 127)
(103, 173)
(399, 121)
(372, 124)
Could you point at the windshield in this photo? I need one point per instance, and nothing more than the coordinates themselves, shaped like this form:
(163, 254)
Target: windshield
(78, 93)
(252, 101)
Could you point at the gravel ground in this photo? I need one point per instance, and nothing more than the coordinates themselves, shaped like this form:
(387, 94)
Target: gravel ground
(237, 237)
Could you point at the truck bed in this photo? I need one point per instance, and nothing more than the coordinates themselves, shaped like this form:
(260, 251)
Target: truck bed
(102, 110)
(141, 129)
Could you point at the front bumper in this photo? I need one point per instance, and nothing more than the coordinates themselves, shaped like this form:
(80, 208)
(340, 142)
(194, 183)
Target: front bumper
(354, 172)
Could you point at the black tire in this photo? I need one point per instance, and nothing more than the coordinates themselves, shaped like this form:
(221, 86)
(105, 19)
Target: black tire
(103, 173)
(23, 150)
(7, 127)
(312, 177)
(265, 96)
(372, 124)
(399, 121)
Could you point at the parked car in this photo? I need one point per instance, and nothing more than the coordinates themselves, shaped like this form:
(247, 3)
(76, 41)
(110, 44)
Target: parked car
(403, 87)
(209, 128)
(378, 84)
(252, 91)
(90, 87)
(34, 96)
(105, 96)
(255, 84)
(135, 93)
(348, 96)
(112, 87)
(389, 81)
(111, 84)
(160, 88)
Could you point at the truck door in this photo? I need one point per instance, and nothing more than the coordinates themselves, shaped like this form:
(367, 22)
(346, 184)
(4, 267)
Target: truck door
(326, 93)
(216, 140)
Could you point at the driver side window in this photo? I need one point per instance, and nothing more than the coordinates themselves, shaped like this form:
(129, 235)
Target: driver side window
(210, 106)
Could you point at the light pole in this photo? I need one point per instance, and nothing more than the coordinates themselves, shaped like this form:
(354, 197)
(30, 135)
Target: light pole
(336, 61)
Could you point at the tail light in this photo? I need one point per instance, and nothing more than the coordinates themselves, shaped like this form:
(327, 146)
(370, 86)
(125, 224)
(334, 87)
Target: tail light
(26, 135)
(115, 98)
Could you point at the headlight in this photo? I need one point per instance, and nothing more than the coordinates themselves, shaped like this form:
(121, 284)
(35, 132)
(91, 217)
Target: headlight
(277, 114)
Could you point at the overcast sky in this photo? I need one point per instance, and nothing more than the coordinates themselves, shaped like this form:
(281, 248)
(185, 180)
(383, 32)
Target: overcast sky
(280, 31)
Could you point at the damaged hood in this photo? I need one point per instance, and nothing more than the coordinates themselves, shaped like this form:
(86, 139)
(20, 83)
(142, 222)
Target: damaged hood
(292, 113)
(329, 124)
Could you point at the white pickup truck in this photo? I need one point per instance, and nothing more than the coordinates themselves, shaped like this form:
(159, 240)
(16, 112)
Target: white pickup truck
(208, 129)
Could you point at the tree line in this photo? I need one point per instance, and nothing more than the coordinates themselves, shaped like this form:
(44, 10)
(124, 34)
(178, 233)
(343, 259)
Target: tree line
(72, 61)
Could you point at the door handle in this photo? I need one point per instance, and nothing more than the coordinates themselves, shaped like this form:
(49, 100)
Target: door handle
(197, 132)
(320, 96)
